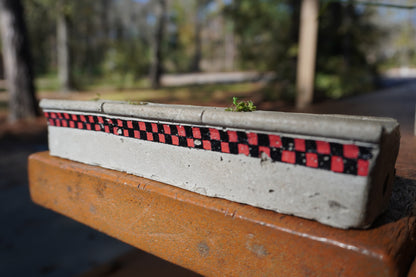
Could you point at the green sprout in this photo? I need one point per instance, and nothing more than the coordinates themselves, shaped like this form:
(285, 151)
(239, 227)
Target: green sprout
(241, 106)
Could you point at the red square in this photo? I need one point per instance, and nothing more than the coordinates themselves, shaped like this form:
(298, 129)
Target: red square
(311, 160)
(225, 147)
(322, 147)
(136, 134)
(232, 136)
(115, 130)
(142, 126)
(181, 131)
(196, 132)
(74, 117)
(109, 121)
(107, 129)
(190, 142)
(83, 119)
(88, 126)
(97, 127)
(166, 128)
(350, 151)
(264, 149)
(66, 116)
(288, 157)
(175, 140)
(337, 164)
(91, 119)
(162, 138)
(53, 123)
(64, 123)
(300, 145)
(206, 144)
(100, 119)
(362, 167)
(119, 123)
(71, 123)
(214, 133)
(252, 138)
(130, 124)
(58, 123)
(53, 115)
(149, 136)
(275, 141)
(243, 149)
(79, 125)
(126, 132)
(154, 127)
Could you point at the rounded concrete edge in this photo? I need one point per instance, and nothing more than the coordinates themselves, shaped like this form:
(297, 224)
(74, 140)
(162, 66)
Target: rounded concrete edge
(186, 114)
(359, 128)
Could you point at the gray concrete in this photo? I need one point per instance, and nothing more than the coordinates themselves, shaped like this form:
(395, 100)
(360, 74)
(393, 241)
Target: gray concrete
(359, 128)
(335, 199)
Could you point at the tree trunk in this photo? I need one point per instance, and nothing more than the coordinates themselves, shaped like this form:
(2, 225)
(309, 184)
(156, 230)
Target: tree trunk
(307, 53)
(64, 66)
(198, 28)
(17, 61)
(156, 67)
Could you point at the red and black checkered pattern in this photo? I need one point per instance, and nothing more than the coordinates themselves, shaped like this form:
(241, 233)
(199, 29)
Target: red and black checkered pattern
(336, 157)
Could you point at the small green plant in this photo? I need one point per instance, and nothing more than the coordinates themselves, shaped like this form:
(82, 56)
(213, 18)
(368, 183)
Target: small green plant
(241, 106)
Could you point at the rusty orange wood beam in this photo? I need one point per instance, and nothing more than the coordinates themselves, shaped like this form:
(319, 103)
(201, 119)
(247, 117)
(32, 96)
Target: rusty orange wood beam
(211, 236)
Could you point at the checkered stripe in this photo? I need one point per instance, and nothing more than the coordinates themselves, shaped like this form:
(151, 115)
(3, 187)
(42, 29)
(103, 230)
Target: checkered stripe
(336, 157)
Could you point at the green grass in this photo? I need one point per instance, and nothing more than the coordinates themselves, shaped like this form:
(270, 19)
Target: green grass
(139, 90)
(201, 93)
(48, 82)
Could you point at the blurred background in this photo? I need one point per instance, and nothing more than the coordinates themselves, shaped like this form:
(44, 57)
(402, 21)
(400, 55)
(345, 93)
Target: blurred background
(338, 56)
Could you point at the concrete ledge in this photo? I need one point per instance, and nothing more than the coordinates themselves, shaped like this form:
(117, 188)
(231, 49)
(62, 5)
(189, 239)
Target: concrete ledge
(212, 236)
(335, 169)
(367, 129)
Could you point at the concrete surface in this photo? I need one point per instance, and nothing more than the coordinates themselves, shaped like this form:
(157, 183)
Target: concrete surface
(334, 198)
(363, 129)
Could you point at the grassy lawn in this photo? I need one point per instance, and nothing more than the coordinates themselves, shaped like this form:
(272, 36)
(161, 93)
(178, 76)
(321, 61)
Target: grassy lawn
(210, 94)
(264, 96)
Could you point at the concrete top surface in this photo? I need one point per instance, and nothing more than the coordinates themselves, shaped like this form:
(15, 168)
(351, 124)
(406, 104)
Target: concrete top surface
(361, 128)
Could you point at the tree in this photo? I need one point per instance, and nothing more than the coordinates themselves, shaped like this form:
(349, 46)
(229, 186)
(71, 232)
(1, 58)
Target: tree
(63, 52)
(156, 67)
(307, 53)
(199, 13)
(17, 61)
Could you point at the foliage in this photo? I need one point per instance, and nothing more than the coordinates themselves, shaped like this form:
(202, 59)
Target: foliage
(241, 106)
(267, 39)
(343, 66)
(263, 31)
(111, 39)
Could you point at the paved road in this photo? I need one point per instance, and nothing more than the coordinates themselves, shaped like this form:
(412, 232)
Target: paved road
(397, 102)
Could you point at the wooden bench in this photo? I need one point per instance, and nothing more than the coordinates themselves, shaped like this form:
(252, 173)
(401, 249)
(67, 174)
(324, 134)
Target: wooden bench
(216, 237)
